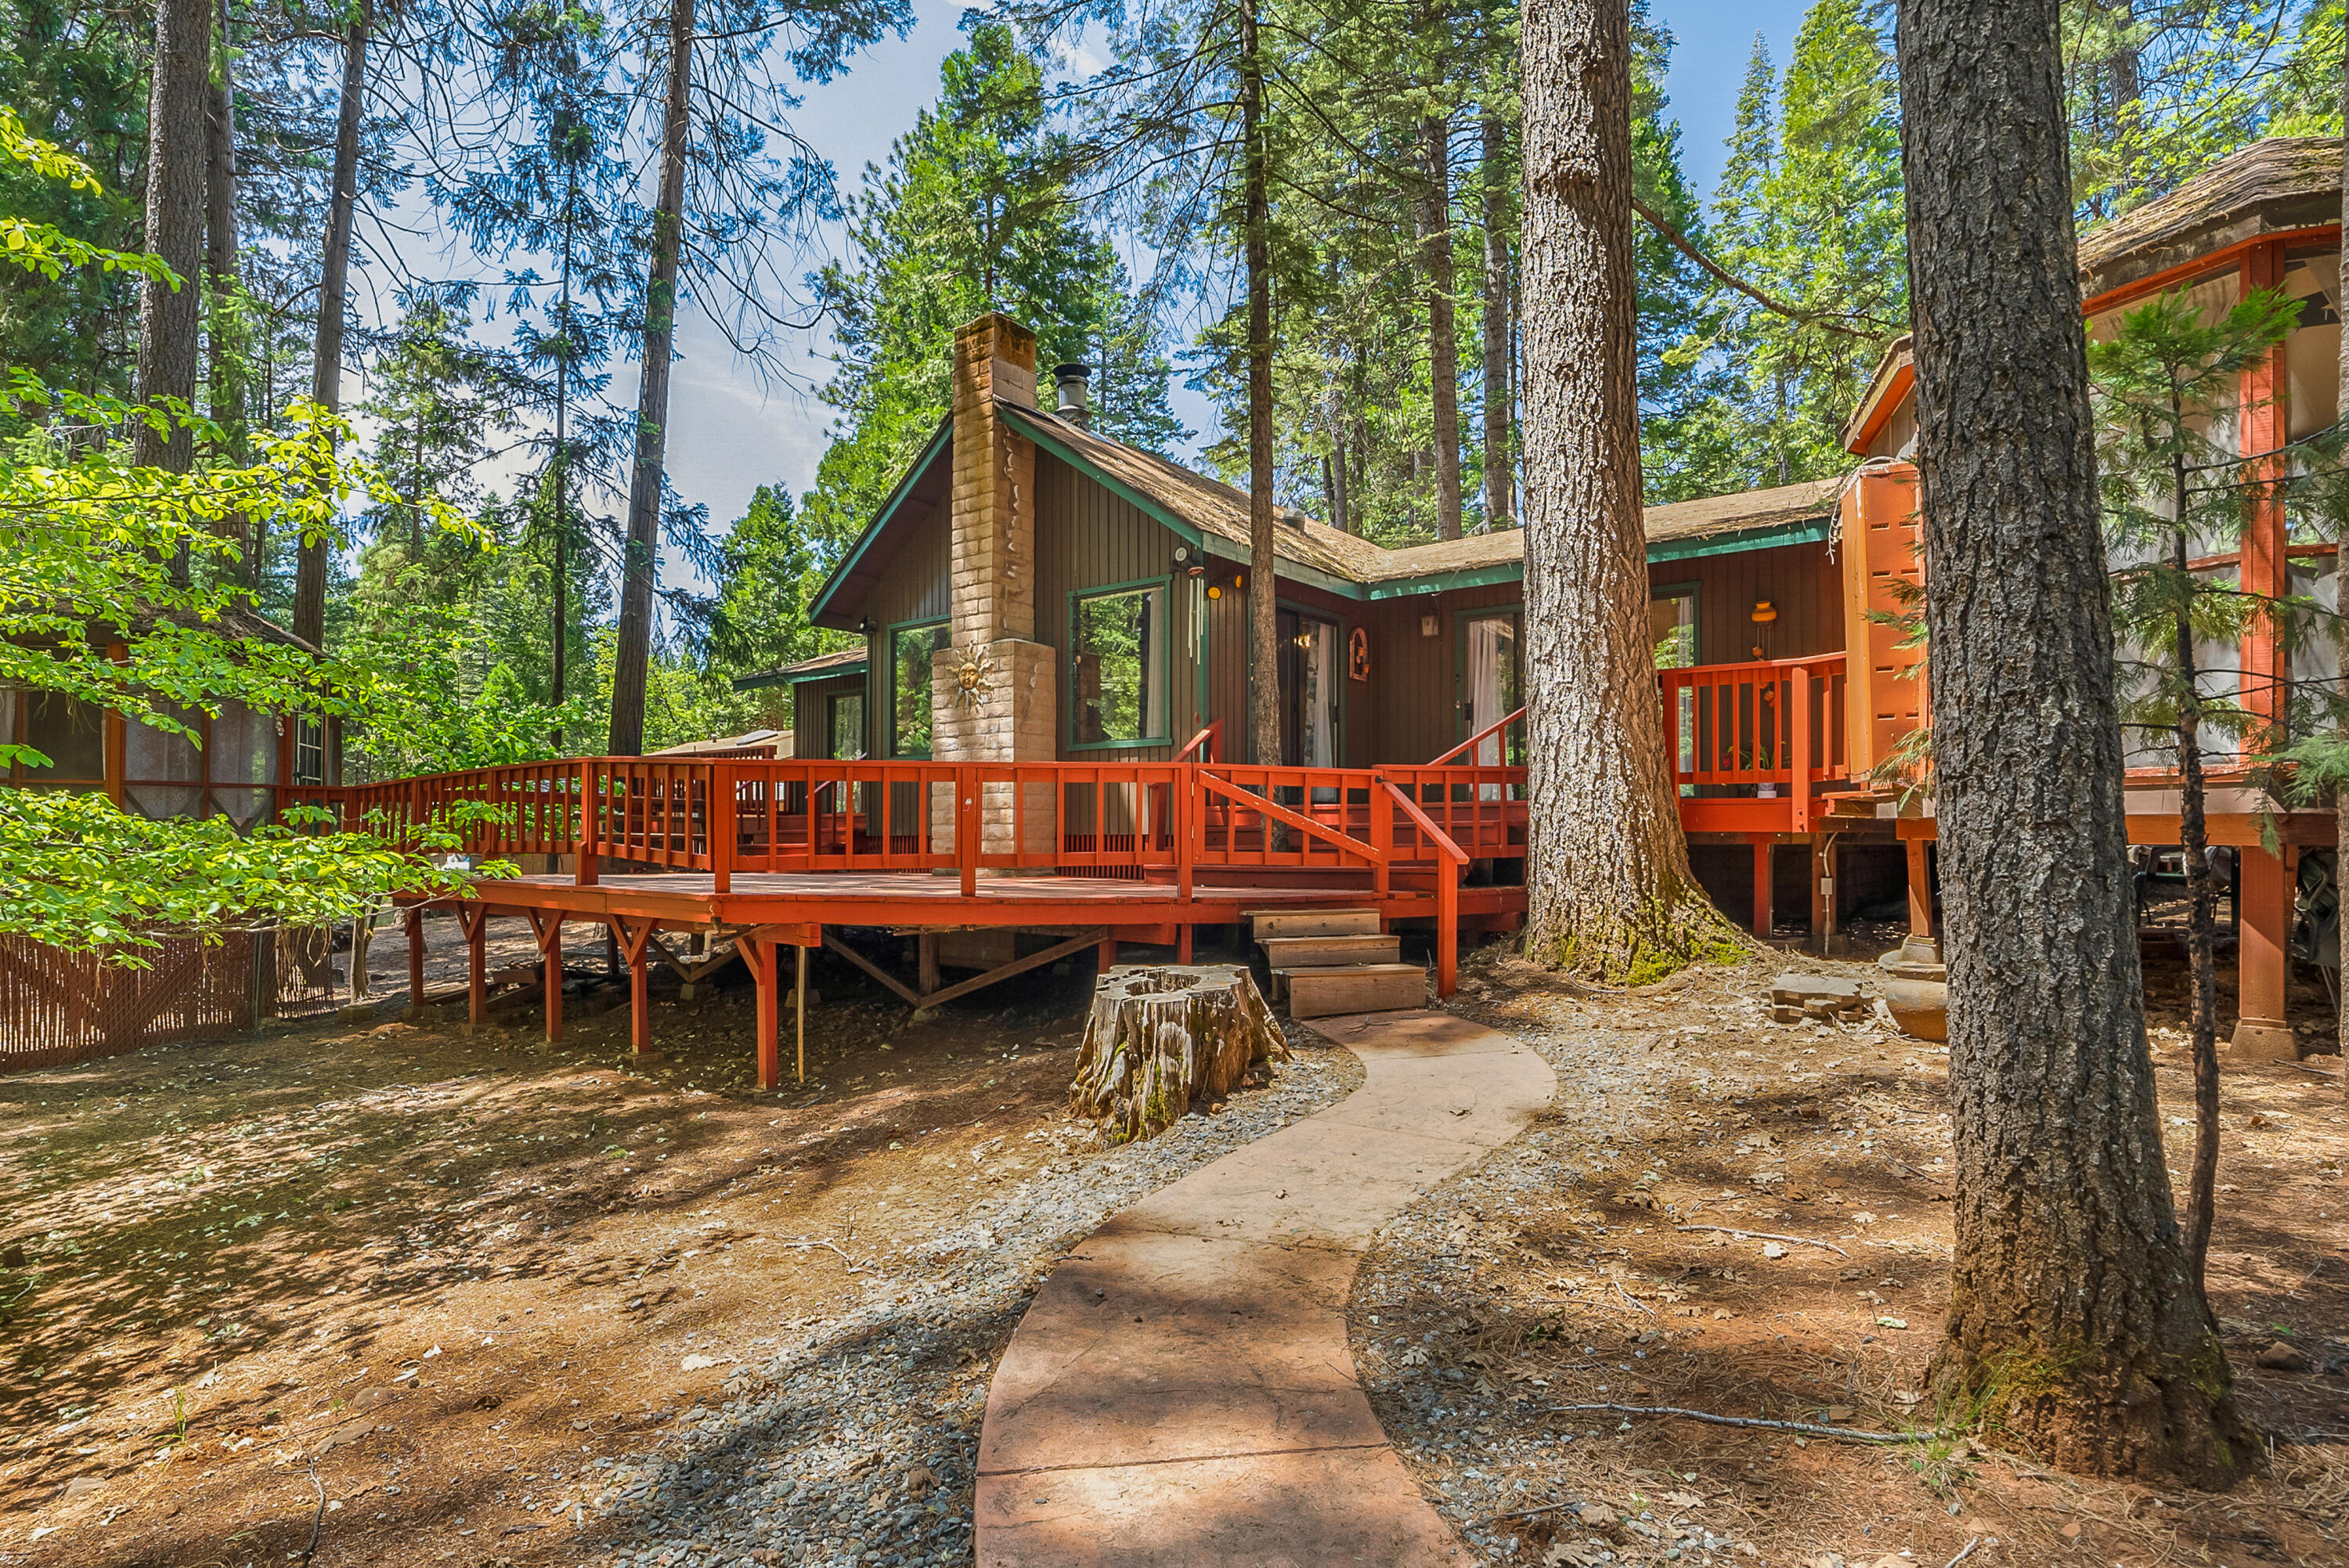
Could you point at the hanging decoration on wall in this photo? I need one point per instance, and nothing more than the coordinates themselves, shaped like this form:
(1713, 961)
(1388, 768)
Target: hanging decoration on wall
(974, 676)
(1358, 654)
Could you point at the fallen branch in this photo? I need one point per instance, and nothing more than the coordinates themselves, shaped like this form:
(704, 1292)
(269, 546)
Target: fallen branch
(1523, 1513)
(1766, 1236)
(1848, 1434)
(1963, 1552)
(317, 1519)
(1634, 1300)
(853, 1266)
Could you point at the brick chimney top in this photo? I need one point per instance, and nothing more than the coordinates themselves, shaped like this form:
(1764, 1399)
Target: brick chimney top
(995, 357)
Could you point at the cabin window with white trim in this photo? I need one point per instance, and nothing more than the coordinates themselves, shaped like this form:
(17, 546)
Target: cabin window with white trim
(1117, 669)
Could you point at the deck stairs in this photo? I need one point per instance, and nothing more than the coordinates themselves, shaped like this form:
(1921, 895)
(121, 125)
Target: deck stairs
(1327, 961)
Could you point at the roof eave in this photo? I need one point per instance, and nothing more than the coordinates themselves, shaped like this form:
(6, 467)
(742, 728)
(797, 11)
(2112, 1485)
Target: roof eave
(820, 610)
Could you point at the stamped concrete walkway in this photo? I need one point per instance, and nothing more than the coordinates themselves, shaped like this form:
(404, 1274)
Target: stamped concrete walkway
(1182, 1391)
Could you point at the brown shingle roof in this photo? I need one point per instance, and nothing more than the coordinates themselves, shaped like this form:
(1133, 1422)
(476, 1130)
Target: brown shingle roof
(2272, 185)
(1222, 510)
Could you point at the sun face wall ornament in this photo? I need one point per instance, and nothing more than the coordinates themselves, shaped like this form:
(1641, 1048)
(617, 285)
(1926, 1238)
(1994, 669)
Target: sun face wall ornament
(974, 677)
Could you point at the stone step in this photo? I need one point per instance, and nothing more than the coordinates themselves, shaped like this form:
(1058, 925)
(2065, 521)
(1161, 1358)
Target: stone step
(1266, 922)
(1328, 951)
(1356, 988)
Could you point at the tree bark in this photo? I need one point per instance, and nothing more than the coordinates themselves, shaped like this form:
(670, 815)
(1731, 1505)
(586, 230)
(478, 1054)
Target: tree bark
(2202, 901)
(1500, 482)
(1264, 652)
(1610, 892)
(226, 377)
(334, 289)
(2341, 608)
(1442, 334)
(1161, 1038)
(632, 652)
(170, 315)
(2073, 1320)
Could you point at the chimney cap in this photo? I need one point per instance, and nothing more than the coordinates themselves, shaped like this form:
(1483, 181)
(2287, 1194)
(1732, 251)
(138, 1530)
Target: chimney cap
(1075, 370)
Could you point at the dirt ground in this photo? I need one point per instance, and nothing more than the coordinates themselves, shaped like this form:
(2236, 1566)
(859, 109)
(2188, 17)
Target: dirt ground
(1561, 1275)
(427, 1279)
(417, 1290)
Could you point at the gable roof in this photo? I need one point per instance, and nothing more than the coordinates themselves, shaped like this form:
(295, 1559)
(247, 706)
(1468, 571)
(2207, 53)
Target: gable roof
(824, 667)
(1214, 516)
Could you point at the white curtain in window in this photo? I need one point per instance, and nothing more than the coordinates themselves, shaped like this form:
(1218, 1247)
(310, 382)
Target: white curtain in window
(1318, 676)
(1491, 646)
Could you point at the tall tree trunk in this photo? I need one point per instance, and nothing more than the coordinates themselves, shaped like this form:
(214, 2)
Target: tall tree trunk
(170, 315)
(1442, 334)
(560, 611)
(334, 289)
(632, 653)
(1264, 652)
(2074, 1316)
(1610, 892)
(2340, 607)
(2201, 915)
(1498, 403)
(226, 369)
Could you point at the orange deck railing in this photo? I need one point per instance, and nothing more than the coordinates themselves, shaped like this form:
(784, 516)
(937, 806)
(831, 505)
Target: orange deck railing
(1751, 745)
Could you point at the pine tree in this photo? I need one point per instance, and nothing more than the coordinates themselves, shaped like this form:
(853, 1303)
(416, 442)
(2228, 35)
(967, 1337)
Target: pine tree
(975, 212)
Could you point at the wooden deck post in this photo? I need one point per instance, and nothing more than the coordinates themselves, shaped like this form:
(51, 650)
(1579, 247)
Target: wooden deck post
(1765, 890)
(1921, 892)
(2264, 892)
(759, 955)
(634, 942)
(415, 923)
(1182, 943)
(799, 1005)
(550, 947)
(719, 823)
(474, 921)
(1799, 683)
(1109, 953)
(926, 960)
(591, 855)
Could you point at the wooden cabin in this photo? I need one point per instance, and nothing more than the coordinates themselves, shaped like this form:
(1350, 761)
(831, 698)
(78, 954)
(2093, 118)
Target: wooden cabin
(2266, 216)
(241, 764)
(1107, 589)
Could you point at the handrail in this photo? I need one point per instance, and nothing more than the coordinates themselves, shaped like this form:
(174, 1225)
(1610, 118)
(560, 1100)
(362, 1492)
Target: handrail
(1280, 813)
(1479, 738)
(1211, 737)
(1447, 889)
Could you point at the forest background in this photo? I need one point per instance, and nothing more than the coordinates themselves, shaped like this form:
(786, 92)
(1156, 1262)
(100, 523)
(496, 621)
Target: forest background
(1075, 167)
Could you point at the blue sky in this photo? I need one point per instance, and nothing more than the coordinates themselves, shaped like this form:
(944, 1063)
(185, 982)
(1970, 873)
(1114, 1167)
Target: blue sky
(731, 434)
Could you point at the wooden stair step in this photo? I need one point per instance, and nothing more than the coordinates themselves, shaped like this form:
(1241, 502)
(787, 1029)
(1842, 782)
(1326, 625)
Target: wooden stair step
(1330, 952)
(1270, 923)
(1356, 988)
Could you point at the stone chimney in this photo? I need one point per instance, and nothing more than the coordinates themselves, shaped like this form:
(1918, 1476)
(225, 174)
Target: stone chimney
(1073, 384)
(992, 560)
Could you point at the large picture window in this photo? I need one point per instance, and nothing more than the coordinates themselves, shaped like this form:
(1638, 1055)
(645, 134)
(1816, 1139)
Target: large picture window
(910, 650)
(1117, 674)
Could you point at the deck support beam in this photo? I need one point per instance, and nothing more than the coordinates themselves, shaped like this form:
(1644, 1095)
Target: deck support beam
(1019, 967)
(474, 921)
(547, 925)
(1920, 892)
(759, 948)
(1109, 953)
(632, 941)
(1766, 890)
(415, 925)
(2264, 892)
(926, 959)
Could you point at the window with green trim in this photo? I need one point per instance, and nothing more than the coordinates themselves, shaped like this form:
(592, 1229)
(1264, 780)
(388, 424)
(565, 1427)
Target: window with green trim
(1117, 669)
(910, 650)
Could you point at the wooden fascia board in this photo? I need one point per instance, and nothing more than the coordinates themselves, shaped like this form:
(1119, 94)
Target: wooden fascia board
(777, 677)
(2224, 259)
(822, 606)
(1802, 530)
(1445, 582)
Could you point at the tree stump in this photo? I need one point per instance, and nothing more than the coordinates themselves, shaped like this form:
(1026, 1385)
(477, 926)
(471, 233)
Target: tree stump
(1161, 1036)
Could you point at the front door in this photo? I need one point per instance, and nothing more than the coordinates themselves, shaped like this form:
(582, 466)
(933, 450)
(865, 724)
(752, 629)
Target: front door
(1310, 678)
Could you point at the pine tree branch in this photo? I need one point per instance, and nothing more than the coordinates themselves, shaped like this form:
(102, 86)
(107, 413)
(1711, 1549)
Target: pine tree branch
(1831, 321)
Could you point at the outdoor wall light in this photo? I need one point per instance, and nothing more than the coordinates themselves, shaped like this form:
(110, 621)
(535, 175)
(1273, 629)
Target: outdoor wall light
(1764, 611)
(1215, 591)
(864, 627)
(1429, 626)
